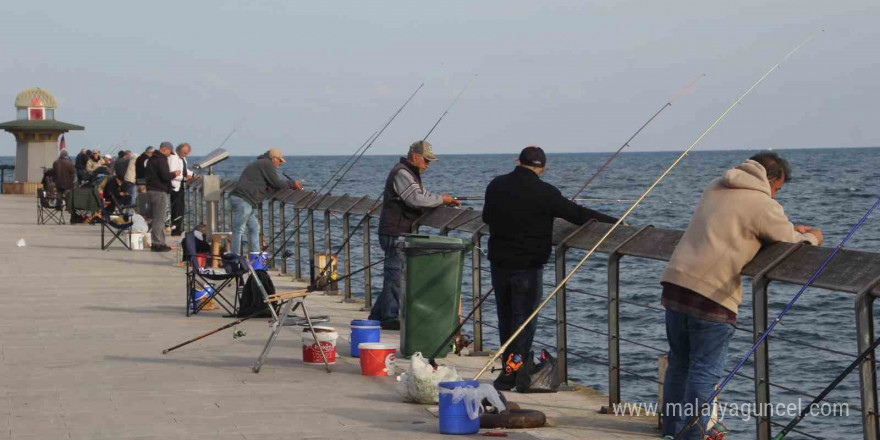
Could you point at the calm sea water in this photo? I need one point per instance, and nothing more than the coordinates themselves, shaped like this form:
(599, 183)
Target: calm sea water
(831, 189)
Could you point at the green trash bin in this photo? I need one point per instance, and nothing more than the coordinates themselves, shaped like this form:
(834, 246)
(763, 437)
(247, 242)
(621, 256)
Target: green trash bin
(432, 291)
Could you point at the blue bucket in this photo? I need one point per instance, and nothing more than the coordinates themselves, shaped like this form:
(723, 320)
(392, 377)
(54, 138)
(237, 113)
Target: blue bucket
(199, 294)
(363, 330)
(454, 418)
(258, 260)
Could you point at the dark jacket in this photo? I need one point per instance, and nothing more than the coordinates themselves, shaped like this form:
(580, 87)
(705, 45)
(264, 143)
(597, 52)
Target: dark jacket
(65, 172)
(157, 174)
(140, 171)
(120, 167)
(397, 217)
(257, 182)
(520, 209)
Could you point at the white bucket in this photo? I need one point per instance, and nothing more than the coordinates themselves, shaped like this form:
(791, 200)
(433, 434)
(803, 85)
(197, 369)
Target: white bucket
(137, 241)
(327, 338)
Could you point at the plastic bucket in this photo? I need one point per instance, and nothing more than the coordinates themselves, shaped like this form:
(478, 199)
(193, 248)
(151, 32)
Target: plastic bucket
(258, 260)
(199, 295)
(363, 330)
(376, 358)
(454, 418)
(137, 241)
(327, 339)
(202, 260)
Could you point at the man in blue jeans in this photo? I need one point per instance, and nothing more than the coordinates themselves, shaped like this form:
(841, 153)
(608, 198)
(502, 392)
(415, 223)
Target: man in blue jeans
(702, 288)
(520, 209)
(258, 181)
(405, 198)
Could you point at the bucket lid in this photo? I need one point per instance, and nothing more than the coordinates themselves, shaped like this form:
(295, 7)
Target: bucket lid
(319, 329)
(365, 322)
(459, 384)
(376, 346)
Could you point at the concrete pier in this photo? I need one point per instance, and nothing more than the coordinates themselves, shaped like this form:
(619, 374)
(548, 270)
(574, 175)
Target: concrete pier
(81, 336)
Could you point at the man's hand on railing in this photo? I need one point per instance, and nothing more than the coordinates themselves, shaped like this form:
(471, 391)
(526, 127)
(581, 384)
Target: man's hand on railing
(810, 230)
(296, 184)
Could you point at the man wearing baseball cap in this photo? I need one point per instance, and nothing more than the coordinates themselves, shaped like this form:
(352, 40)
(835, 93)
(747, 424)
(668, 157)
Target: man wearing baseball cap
(405, 199)
(258, 181)
(520, 209)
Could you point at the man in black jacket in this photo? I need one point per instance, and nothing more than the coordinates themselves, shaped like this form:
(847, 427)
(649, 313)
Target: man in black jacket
(158, 180)
(140, 173)
(520, 209)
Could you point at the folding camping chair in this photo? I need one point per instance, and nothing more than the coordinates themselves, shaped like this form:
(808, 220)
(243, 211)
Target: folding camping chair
(288, 301)
(199, 278)
(49, 208)
(83, 202)
(117, 229)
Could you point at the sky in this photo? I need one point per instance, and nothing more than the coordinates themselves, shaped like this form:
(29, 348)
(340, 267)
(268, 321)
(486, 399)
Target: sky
(573, 76)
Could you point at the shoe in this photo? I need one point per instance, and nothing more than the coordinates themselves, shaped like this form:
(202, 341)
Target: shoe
(390, 325)
(505, 382)
(160, 248)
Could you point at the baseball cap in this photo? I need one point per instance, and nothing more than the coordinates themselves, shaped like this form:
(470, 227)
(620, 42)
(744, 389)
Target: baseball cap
(167, 145)
(533, 156)
(275, 153)
(423, 148)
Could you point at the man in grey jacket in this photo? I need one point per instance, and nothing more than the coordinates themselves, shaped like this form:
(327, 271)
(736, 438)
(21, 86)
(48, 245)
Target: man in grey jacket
(405, 199)
(258, 181)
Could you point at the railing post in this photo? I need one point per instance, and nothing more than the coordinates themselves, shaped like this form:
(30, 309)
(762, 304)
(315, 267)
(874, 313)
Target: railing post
(327, 244)
(283, 224)
(864, 304)
(614, 318)
(762, 352)
(271, 235)
(297, 245)
(368, 278)
(477, 291)
(311, 220)
(221, 212)
(561, 320)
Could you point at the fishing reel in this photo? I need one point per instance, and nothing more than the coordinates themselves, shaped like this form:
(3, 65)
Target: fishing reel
(239, 333)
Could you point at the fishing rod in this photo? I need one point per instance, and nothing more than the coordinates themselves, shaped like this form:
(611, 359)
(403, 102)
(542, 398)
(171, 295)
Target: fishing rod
(357, 156)
(450, 106)
(805, 411)
(626, 144)
(579, 199)
(380, 198)
(127, 135)
(629, 210)
(782, 313)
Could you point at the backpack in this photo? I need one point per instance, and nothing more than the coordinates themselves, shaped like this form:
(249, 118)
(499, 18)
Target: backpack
(251, 300)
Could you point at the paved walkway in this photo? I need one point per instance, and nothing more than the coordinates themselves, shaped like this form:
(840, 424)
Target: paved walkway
(81, 336)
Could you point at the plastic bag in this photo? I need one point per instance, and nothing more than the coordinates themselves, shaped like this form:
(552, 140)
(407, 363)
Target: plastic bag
(542, 377)
(20, 243)
(138, 224)
(420, 384)
(473, 398)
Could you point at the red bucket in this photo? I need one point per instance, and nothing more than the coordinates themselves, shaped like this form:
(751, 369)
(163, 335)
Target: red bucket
(202, 259)
(376, 358)
(327, 339)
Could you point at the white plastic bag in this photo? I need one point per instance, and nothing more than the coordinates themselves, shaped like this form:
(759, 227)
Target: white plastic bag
(20, 242)
(473, 398)
(138, 224)
(420, 385)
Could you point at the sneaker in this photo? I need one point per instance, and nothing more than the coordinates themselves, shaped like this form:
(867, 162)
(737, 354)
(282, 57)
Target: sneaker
(504, 382)
(390, 325)
(160, 248)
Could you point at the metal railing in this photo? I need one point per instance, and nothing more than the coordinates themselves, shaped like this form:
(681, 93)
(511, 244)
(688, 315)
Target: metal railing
(853, 272)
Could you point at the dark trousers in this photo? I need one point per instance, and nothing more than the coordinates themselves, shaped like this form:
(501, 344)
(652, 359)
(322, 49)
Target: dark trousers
(387, 305)
(178, 207)
(517, 293)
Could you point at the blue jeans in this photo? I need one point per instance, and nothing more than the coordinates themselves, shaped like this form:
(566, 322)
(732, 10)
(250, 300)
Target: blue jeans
(244, 219)
(387, 305)
(697, 354)
(517, 294)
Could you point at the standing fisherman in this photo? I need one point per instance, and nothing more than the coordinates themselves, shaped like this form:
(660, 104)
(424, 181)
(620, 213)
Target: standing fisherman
(257, 182)
(405, 200)
(519, 210)
(177, 162)
(702, 288)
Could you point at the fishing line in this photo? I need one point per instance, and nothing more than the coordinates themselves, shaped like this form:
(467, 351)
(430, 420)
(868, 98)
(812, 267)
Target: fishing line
(450, 106)
(626, 144)
(631, 208)
(785, 310)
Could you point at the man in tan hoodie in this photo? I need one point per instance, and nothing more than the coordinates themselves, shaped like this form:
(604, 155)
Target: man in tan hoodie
(702, 288)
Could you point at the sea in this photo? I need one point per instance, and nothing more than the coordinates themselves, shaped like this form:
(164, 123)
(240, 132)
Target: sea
(830, 188)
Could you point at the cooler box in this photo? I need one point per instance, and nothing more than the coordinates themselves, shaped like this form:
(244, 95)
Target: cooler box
(432, 291)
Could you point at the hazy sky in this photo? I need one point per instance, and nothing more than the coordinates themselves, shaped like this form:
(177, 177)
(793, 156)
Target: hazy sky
(319, 77)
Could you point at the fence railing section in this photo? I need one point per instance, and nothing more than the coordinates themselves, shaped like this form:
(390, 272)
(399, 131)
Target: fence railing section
(852, 272)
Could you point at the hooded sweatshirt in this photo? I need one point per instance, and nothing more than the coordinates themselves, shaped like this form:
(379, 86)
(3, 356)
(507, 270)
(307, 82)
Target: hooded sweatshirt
(735, 215)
